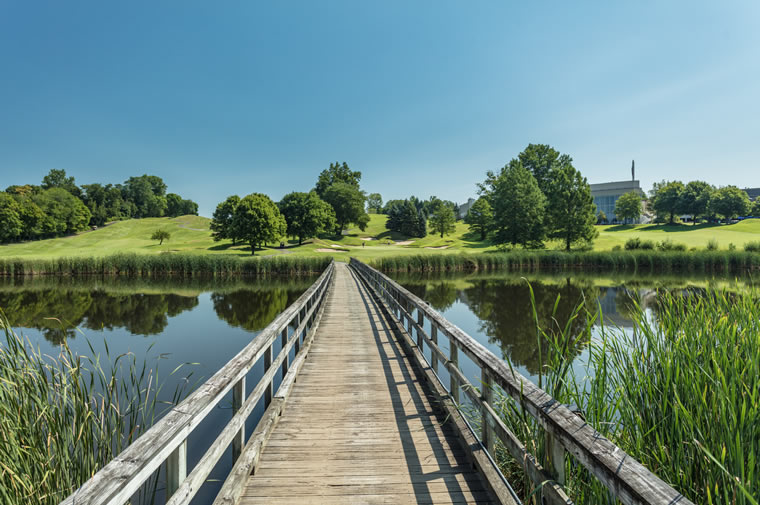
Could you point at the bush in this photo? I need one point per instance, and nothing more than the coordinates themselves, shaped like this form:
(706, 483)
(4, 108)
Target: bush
(632, 244)
(752, 246)
(712, 245)
(668, 245)
(647, 245)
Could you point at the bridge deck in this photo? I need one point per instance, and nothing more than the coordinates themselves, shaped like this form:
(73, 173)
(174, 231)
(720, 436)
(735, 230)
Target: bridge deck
(359, 426)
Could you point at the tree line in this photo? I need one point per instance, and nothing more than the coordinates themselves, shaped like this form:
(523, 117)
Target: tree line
(410, 217)
(59, 207)
(698, 199)
(537, 196)
(336, 202)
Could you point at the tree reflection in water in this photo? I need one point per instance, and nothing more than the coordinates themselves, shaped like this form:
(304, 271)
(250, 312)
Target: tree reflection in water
(57, 309)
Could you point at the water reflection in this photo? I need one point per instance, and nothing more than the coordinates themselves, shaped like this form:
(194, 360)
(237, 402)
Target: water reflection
(499, 313)
(58, 308)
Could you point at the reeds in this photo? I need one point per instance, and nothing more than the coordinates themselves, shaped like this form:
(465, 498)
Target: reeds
(634, 261)
(680, 394)
(144, 265)
(64, 417)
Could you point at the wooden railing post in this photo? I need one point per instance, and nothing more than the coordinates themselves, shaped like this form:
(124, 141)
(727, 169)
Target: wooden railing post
(269, 389)
(238, 397)
(555, 455)
(486, 429)
(296, 335)
(434, 338)
(454, 358)
(176, 469)
(420, 322)
(286, 361)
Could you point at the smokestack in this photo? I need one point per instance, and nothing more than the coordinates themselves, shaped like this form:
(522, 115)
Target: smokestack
(633, 170)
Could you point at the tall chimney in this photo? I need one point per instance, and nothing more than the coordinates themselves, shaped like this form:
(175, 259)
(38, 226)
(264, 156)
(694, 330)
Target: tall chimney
(633, 170)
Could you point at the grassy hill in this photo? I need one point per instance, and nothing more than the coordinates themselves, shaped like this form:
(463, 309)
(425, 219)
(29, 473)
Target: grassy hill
(191, 234)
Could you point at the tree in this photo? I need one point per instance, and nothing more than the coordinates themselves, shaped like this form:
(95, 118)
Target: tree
(541, 160)
(480, 217)
(348, 203)
(756, 208)
(57, 179)
(601, 217)
(666, 199)
(730, 202)
(628, 206)
(257, 220)
(177, 206)
(571, 207)
(148, 193)
(694, 199)
(63, 212)
(336, 173)
(307, 215)
(221, 220)
(161, 235)
(442, 219)
(375, 202)
(11, 225)
(519, 207)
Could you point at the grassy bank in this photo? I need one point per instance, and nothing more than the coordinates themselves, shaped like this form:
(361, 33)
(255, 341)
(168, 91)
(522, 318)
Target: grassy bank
(64, 417)
(681, 394)
(191, 235)
(724, 262)
(159, 265)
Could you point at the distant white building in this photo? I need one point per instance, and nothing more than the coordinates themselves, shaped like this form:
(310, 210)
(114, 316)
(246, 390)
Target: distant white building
(465, 208)
(606, 195)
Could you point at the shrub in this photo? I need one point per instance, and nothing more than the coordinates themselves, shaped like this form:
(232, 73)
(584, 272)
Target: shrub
(632, 244)
(712, 245)
(647, 245)
(752, 246)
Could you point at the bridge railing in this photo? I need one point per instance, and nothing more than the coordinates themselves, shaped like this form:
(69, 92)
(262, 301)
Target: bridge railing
(165, 443)
(625, 478)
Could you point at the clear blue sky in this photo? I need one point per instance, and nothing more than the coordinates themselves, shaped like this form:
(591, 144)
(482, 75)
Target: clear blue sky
(422, 97)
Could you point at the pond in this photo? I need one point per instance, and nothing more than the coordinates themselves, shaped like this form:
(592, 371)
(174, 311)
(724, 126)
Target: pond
(205, 323)
(201, 324)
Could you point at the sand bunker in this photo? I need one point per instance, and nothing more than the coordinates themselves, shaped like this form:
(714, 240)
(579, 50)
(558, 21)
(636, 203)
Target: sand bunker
(331, 250)
(367, 238)
(405, 242)
(439, 247)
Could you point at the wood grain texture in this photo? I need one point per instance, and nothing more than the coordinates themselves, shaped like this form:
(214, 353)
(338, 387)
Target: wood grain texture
(359, 425)
(627, 479)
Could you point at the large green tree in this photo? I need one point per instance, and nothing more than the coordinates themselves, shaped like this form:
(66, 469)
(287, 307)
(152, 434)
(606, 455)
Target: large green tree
(628, 207)
(11, 225)
(480, 217)
(695, 199)
(64, 212)
(571, 207)
(756, 208)
(221, 221)
(442, 219)
(375, 203)
(336, 173)
(57, 179)
(730, 202)
(347, 201)
(257, 220)
(178, 206)
(307, 215)
(148, 193)
(541, 160)
(666, 199)
(519, 207)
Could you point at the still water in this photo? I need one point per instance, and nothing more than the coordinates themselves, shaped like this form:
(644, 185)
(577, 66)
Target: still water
(202, 324)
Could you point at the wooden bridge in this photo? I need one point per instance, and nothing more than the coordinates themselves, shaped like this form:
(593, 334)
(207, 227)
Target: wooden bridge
(368, 419)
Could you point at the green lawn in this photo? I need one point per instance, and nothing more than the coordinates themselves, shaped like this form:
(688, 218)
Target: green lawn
(190, 234)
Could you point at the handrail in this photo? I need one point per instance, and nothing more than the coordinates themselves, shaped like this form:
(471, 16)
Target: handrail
(166, 441)
(625, 478)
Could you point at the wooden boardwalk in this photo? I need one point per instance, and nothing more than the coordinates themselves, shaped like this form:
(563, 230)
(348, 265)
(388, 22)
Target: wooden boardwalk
(359, 425)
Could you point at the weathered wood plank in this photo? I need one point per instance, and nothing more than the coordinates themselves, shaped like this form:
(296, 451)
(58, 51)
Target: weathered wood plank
(625, 477)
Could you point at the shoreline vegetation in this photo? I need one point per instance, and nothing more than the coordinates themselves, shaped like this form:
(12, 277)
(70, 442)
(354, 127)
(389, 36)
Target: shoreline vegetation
(723, 262)
(680, 394)
(64, 417)
(163, 265)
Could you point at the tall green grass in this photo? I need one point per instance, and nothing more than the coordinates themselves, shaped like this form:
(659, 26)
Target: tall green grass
(143, 265)
(64, 417)
(680, 394)
(645, 261)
